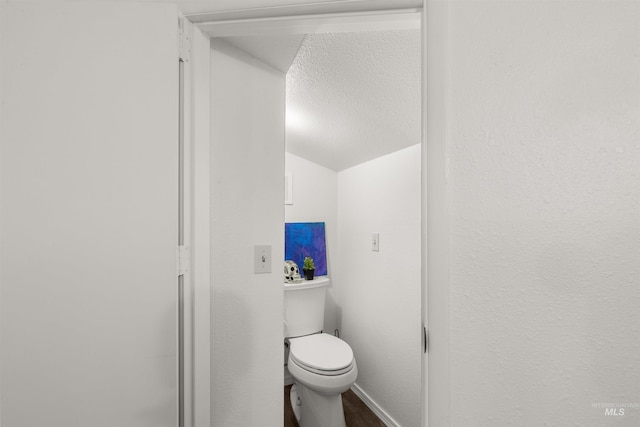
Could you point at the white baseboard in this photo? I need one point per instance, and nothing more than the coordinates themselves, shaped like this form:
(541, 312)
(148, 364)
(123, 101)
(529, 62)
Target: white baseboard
(381, 413)
(366, 399)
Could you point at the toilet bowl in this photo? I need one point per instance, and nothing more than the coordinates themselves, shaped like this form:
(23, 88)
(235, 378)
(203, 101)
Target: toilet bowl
(323, 367)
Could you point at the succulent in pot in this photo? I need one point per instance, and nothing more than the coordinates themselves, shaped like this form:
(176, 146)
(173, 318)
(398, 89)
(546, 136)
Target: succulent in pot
(308, 267)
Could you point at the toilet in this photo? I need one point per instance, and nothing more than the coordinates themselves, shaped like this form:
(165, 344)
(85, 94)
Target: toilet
(322, 365)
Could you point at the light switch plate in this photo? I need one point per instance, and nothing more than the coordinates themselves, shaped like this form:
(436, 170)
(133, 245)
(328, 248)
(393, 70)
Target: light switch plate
(375, 242)
(262, 259)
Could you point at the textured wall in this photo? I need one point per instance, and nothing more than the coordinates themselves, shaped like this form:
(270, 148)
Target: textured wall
(379, 292)
(544, 159)
(247, 134)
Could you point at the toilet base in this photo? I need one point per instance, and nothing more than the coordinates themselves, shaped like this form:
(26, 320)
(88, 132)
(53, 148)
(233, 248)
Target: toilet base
(316, 410)
(296, 402)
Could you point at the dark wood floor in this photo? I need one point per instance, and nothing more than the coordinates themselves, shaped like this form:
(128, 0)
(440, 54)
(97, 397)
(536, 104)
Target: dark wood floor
(356, 413)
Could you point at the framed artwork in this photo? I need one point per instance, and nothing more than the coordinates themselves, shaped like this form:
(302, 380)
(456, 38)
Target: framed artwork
(303, 239)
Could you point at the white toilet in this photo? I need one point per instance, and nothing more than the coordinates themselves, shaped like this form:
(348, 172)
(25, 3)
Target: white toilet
(322, 366)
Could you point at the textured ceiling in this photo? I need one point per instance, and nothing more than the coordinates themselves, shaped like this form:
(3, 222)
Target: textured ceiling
(353, 97)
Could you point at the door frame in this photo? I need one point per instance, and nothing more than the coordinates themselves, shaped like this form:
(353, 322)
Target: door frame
(318, 17)
(196, 298)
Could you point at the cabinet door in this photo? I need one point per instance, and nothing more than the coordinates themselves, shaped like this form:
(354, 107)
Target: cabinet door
(88, 214)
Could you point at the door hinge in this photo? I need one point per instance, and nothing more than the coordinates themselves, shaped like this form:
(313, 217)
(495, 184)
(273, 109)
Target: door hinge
(184, 260)
(184, 45)
(425, 339)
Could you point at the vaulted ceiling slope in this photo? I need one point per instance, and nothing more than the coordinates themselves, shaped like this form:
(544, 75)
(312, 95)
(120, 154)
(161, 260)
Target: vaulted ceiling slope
(353, 97)
(277, 51)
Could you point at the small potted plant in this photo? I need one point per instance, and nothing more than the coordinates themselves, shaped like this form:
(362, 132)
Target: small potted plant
(309, 267)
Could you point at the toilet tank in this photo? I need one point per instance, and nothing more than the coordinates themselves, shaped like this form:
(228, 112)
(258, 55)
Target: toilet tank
(304, 306)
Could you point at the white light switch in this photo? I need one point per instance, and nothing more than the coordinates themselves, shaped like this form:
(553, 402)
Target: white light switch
(375, 242)
(262, 259)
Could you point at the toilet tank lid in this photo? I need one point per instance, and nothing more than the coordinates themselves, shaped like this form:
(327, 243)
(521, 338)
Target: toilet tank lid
(321, 351)
(318, 282)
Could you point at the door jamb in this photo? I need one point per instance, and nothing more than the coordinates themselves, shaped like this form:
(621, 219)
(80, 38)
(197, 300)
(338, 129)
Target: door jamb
(433, 160)
(196, 290)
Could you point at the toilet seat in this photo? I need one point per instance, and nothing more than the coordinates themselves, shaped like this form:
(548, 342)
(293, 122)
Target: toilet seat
(321, 354)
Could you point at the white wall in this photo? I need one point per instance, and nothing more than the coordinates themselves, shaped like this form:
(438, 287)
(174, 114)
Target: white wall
(375, 297)
(544, 154)
(315, 199)
(247, 133)
(89, 218)
(379, 292)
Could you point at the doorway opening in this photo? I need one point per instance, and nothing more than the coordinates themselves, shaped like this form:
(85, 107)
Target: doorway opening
(353, 159)
(402, 20)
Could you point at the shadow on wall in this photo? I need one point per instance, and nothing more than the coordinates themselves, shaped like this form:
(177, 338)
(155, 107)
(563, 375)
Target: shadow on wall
(332, 312)
(233, 334)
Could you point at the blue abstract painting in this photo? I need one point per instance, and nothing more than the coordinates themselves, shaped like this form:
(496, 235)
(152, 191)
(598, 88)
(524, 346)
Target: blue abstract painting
(303, 239)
